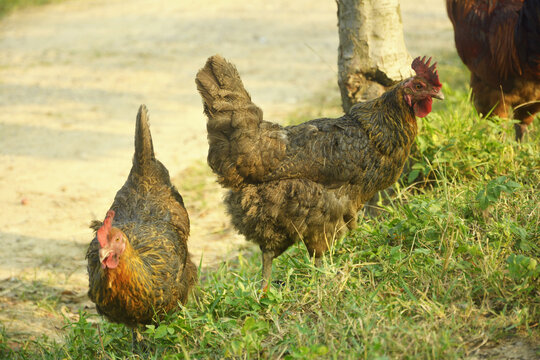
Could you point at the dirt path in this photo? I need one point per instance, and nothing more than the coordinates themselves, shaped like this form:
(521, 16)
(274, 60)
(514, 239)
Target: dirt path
(72, 76)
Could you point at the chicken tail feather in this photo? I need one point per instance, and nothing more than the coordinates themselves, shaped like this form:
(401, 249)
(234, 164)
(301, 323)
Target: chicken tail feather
(144, 149)
(231, 115)
(226, 102)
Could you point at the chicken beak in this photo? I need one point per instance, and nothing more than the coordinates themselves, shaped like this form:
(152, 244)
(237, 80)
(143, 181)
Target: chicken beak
(438, 95)
(104, 253)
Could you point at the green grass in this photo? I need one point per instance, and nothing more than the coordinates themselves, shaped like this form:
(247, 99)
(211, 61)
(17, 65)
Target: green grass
(451, 263)
(7, 6)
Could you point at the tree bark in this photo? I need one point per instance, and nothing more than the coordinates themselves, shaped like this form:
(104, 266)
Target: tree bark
(372, 54)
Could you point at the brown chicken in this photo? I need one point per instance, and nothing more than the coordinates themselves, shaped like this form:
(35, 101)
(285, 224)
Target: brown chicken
(306, 182)
(138, 262)
(499, 41)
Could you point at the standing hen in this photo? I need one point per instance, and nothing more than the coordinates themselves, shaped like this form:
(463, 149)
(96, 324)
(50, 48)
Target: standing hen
(306, 182)
(499, 41)
(138, 262)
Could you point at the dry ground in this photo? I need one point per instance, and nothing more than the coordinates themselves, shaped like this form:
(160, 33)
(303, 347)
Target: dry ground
(72, 76)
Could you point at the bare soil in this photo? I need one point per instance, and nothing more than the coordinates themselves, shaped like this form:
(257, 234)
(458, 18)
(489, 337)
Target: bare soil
(72, 76)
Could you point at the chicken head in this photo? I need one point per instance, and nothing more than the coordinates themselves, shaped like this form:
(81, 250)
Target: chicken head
(112, 242)
(422, 88)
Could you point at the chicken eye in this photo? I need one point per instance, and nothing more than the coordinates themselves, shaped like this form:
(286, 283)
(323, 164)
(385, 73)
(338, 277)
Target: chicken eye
(418, 86)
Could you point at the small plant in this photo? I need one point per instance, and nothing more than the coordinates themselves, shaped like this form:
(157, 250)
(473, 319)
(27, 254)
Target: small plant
(492, 191)
(525, 271)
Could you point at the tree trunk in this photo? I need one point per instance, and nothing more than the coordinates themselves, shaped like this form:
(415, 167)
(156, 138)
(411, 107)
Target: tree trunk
(372, 54)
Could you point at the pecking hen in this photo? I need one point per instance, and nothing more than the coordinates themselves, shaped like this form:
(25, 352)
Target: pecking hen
(306, 182)
(138, 262)
(499, 41)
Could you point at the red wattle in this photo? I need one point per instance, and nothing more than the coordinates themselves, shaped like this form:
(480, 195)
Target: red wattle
(111, 261)
(422, 108)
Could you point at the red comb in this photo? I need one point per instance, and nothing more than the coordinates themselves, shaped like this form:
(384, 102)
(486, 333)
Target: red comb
(422, 68)
(103, 231)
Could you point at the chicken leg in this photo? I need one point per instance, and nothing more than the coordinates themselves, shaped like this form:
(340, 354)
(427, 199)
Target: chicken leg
(267, 258)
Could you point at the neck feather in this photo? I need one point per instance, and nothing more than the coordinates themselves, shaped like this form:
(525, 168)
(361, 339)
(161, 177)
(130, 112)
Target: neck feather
(388, 120)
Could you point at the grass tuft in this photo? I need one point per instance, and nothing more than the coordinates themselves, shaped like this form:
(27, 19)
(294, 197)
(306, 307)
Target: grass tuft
(8, 6)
